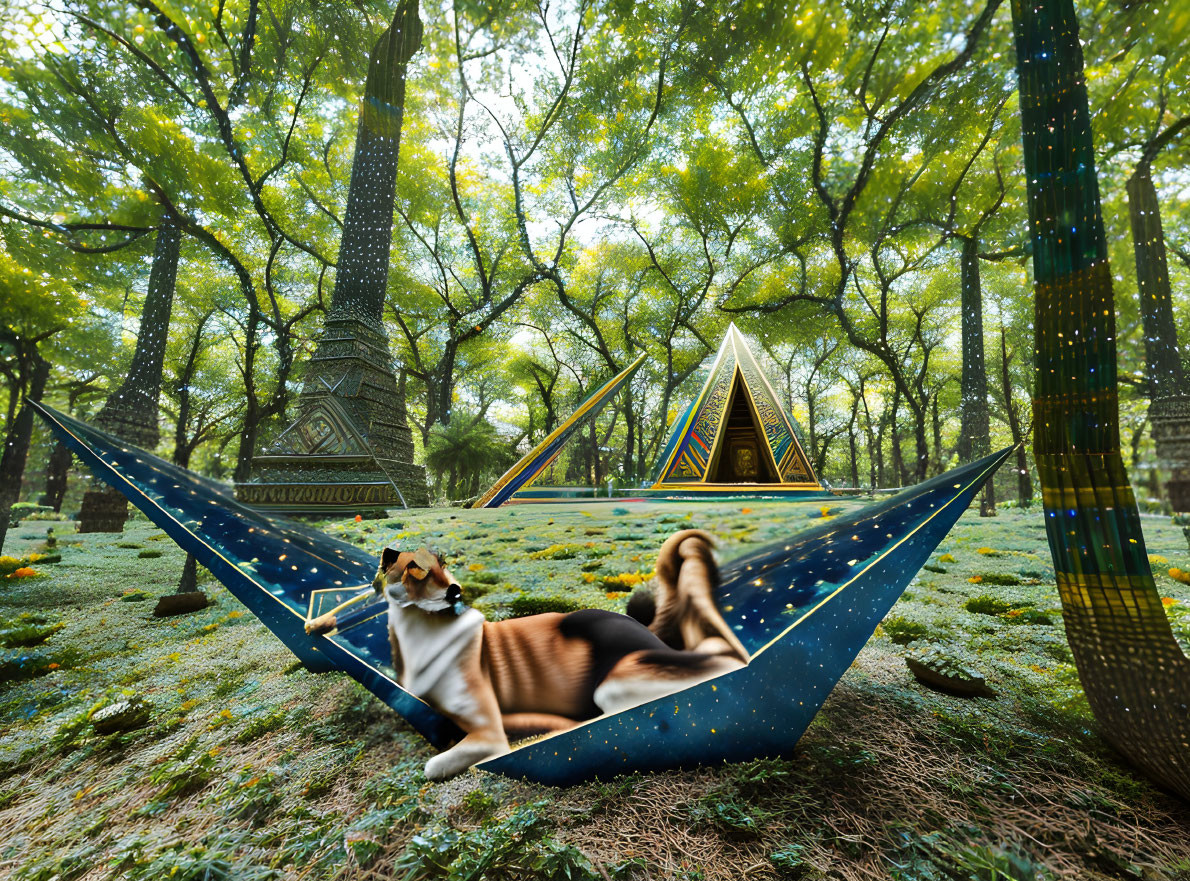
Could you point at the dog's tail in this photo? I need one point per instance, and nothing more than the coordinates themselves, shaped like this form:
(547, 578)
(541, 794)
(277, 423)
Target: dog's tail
(685, 615)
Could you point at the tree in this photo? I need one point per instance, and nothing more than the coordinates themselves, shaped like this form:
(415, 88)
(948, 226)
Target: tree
(35, 310)
(130, 412)
(1131, 667)
(233, 105)
(463, 451)
(580, 120)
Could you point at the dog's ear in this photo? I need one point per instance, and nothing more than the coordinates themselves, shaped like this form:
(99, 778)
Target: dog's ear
(387, 557)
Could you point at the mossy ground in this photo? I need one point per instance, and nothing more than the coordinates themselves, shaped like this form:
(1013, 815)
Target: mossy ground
(250, 767)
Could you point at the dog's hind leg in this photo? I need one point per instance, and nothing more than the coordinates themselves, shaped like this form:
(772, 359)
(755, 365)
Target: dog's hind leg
(532, 724)
(645, 676)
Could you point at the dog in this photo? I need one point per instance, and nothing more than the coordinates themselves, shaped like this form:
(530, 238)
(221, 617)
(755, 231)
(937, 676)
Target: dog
(546, 673)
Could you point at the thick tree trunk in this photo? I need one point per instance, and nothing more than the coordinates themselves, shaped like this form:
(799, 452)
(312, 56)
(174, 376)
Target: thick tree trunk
(1162, 357)
(1136, 678)
(1024, 478)
(56, 474)
(1169, 396)
(936, 465)
(921, 443)
(16, 445)
(881, 432)
(900, 473)
(974, 433)
(130, 412)
(249, 437)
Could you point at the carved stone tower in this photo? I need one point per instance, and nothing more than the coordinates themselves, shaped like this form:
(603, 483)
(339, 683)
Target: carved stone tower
(351, 450)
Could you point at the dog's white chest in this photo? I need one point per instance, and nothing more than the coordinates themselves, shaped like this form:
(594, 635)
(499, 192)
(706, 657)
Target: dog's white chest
(433, 649)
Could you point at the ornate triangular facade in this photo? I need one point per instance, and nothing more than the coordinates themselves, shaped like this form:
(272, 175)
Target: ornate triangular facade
(735, 433)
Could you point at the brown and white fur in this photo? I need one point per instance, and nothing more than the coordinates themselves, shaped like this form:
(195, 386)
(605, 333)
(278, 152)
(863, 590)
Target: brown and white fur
(548, 672)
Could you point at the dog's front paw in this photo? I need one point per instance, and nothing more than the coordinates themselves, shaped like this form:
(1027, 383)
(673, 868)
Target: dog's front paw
(461, 757)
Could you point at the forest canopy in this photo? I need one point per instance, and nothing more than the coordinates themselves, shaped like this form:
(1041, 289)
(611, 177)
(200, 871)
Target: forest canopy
(579, 182)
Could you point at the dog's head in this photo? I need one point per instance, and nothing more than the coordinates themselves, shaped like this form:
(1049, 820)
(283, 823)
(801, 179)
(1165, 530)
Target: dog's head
(417, 578)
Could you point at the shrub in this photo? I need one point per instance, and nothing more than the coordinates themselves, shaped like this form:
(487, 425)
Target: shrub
(1027, 616)
(625, 579)
(19, 664)
(986, 605)
(473, 590)
(21, 567)
(533, 604)
(558, 552)
(21, 510)
(263, 725)
(902, 631)
(26, 630)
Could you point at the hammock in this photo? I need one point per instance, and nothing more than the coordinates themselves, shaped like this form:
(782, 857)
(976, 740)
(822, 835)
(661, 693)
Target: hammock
(803, 608)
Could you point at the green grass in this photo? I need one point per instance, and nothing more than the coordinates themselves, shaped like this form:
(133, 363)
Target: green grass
(253, 768)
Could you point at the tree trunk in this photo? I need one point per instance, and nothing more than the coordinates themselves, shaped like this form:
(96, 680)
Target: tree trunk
(881, 431)
(130, 413)
(16, 445)
(630, 475)
(1169, 397)
(56, 473)
(894, 427)
(852, 442)
(936, 465)
(974, 433)
(1162, 357)
(1136, 678)
(249, 438)
(1024, 480)
(921, 443)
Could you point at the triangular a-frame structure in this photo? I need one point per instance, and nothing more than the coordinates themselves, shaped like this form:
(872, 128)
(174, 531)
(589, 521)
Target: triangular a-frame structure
(735, 435)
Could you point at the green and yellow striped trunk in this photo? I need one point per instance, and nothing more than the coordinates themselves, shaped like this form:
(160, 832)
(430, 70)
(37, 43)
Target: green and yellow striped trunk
(1134, 673)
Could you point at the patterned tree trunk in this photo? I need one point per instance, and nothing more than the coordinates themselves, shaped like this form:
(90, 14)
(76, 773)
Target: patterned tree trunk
(130, 412)
(1136, 678)
(56, 473)
(1169, 407)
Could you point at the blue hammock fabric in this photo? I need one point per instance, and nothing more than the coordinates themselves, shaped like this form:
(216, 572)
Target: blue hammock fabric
(803, 608)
